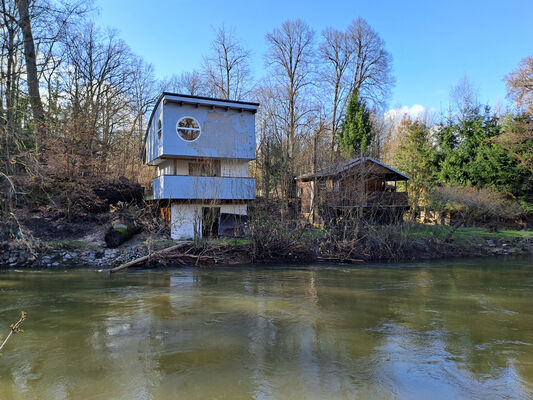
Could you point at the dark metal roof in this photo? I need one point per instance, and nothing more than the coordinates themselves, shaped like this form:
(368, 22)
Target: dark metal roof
(345, 166)
(214, 99)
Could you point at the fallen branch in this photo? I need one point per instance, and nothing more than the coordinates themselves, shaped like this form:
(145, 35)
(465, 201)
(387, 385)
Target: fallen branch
(196, 258)
(15, 328)
(343, 259)
(148, 257)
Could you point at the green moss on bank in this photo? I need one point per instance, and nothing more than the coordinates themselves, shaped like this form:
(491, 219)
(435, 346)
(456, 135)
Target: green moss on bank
(72, 244)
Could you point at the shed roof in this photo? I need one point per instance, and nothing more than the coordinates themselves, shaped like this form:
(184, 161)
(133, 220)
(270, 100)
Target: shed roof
(347, 165)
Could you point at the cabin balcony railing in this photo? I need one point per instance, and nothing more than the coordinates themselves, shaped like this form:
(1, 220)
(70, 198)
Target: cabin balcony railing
(387, 198)
(339, 199)
(185, 187)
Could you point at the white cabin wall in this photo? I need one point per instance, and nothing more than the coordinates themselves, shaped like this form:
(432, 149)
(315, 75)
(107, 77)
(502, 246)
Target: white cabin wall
(239, 209)
(182, 167)
(165, 168)
(185, 221)
(234, 168)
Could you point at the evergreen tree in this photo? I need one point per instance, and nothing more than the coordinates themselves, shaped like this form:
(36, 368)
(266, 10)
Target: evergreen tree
(470, 155)
(356, 133)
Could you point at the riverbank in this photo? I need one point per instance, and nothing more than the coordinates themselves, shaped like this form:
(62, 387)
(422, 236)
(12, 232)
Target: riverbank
(419, 242)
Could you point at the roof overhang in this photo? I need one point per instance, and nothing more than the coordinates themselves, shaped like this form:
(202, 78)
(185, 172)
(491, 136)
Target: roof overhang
(331, 172)
(209, 102)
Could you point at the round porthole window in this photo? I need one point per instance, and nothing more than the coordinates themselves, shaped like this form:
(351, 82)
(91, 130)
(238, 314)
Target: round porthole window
(188, 128)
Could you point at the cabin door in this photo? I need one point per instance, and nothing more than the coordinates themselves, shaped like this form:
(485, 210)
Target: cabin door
(210, 221)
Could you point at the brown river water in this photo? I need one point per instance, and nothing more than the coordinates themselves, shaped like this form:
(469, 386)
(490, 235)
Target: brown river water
(454, 329)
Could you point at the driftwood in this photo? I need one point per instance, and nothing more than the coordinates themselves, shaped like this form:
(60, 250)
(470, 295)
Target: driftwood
(187, 253)
(342, 259)
(148, 257)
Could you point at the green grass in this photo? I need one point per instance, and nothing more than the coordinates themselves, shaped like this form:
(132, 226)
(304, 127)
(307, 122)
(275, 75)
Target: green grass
(73, 244)
(233, 241)
(484, 234)
(420, 231)
(161, 243)
(314, 234)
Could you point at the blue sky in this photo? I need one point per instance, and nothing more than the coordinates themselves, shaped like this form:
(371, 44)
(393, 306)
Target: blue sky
(433, 43)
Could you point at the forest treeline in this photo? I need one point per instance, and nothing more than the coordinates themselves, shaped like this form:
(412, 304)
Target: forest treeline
(74, 102)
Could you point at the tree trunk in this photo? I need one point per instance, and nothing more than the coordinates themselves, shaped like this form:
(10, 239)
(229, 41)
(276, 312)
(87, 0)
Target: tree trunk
(452, 230)
(31, 69)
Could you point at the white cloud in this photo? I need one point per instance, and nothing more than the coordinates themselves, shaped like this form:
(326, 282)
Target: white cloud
(416, 111)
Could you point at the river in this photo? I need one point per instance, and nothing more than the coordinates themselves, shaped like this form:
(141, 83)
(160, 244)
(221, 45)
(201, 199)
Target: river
(433, 330)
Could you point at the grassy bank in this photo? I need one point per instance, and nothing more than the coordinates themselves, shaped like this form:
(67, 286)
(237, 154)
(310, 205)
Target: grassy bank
(465, 233)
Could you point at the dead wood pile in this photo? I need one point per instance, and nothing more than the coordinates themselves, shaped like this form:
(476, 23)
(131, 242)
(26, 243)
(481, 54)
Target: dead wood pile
(193, 254)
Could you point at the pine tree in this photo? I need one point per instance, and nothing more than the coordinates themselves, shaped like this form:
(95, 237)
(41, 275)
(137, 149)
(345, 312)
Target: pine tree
(470, 154)
(356, 133)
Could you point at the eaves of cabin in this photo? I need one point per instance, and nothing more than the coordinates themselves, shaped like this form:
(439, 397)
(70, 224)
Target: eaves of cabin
(369, 165)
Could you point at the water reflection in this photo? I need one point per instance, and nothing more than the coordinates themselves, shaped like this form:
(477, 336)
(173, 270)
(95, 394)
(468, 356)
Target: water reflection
(458, 329)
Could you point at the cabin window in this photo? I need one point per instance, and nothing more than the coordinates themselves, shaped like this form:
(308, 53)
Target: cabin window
(159, 129)
(188, 129)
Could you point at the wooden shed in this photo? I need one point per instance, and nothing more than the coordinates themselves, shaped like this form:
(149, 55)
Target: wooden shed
(364, 186)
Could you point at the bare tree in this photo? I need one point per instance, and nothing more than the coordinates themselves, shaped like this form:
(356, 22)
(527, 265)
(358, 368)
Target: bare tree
(9, 76)
(520, 85)
(227, 68)
(98, 80)
(517, 136)
(14, 142)
(336, 53)
(289, 57)
(31, 68)
(143, 95)
(464, 97)
(372, 64)
(190, 83)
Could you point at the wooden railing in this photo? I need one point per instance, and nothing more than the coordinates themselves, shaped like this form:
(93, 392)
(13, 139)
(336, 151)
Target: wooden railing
(339, 199)
(387, 198)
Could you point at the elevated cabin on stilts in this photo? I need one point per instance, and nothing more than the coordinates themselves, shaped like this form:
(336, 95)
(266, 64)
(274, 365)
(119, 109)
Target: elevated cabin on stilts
(362, 187)
(200, 148)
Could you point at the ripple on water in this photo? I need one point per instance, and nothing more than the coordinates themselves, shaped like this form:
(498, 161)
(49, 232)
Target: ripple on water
(457, 329)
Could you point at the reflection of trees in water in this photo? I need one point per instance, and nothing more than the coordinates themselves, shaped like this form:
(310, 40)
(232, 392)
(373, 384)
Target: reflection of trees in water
(272, 332)
(339, 321)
